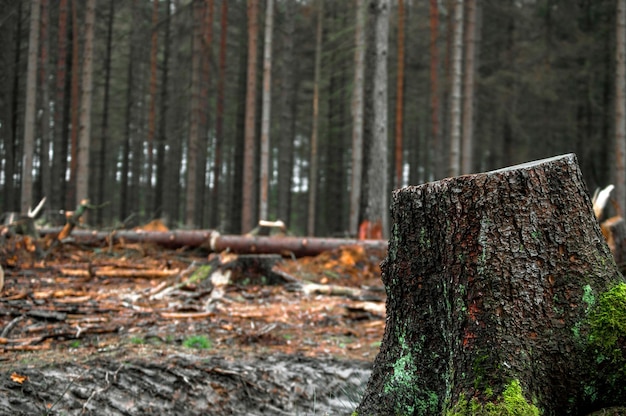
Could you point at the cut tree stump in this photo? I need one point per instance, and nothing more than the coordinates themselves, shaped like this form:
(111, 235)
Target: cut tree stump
(500, 293)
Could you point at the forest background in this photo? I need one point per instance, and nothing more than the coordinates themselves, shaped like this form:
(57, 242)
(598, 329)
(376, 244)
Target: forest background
(216, 113)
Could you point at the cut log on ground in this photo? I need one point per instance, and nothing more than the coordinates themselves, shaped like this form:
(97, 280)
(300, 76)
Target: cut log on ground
(213, 241)
(502, 294)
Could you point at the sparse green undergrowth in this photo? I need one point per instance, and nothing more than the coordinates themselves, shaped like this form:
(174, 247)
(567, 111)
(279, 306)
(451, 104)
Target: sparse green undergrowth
(200, 342)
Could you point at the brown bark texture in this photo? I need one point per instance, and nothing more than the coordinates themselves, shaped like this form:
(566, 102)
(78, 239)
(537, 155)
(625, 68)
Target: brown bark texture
(490, 280)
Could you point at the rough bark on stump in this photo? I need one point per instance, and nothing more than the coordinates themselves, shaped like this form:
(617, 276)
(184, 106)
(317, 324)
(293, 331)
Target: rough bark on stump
(491, 281)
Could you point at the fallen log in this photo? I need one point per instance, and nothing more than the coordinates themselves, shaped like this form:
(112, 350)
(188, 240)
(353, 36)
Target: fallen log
(213, 241)
(502, 298)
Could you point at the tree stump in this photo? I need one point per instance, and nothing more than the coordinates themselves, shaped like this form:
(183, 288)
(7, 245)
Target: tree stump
(497, 292)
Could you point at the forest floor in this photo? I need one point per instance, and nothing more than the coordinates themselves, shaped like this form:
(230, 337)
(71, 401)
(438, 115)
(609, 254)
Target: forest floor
(135, 329)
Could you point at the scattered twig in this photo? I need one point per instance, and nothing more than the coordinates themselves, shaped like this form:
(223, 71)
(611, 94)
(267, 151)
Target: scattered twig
(10, 326)
(103, 389)
(70, 384)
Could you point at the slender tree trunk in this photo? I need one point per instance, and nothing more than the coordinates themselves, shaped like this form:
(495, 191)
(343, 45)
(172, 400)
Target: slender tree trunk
(219, 124)
(249, 182)
(332, 218)
(104, 132)
(163, 112)
(202, 200)
(376, 212)
(620, 106)
(287, 124)
(265, 117)
(368, 107)
(154, 49)
(435, 141)
(125, 180)
(7, 48)
(454, 168)
(237, 204)
(313, 172)
(44, 75)
(501, 311)
(31, 103)
(82, 170)
(467, 159)
(357, 118)
(399, 129)
(178, 115)
(71, 191)
(58, 161)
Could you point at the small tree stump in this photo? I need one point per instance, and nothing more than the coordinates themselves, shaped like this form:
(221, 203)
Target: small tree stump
(491, 280)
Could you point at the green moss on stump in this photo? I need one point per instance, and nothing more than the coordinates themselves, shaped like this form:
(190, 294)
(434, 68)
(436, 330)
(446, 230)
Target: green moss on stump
(607, 324)
(511, 403)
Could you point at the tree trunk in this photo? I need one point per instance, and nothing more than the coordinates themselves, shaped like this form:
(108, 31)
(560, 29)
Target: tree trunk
(467, 132)
(266, 112)
(454, 167)
(357, 118)
(44, 74)
(82, 167)
(195, 116)
(376, 210)
(31, 102)
(249, 187)
(60, 101)
(104, 135)
(219, 123)
(163, 112)
(288, 115)
(154, 49)
(494, 282)
(313, 173)
(620, 106)
(203, 202)
(75, 86)
(399, 129)
(435, 141)
(236, 190)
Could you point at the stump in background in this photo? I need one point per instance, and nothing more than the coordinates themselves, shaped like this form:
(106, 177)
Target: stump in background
(492, 280)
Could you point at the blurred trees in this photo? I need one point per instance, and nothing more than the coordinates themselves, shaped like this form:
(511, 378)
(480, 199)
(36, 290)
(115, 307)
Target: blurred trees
(544, 83)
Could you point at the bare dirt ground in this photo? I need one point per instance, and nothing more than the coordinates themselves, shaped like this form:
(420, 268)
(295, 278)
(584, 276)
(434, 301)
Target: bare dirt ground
(136, 329)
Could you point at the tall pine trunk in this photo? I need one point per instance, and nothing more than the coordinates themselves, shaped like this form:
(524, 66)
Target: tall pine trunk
(435, 140)
(84, 141)
(467, 132)
(288, 115)
(60, 99)
(266, 112)
(161, 137)
(75, 108)
(249, 159)
(357, 119)
(219, 124)
(44, 74)
(313, 169)
(454, 167)
(195, 117)
(154, 46)
(31, 103)
(399, 126)
(101, 163)
(377, 200)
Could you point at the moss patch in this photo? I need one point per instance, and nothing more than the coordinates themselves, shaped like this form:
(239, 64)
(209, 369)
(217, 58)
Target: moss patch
(403, 385)
(607, 324)
(510, 403)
